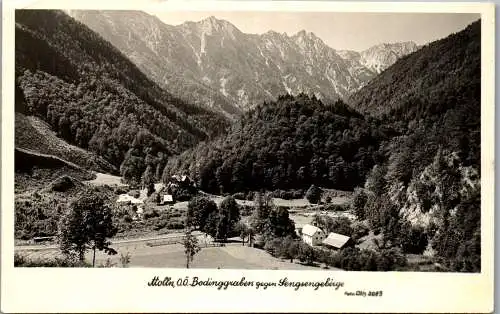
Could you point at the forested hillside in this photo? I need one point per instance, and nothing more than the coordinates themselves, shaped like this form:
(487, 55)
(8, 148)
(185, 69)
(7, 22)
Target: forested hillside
(95, 98)
(428, 82)
(430, 177)
(291, 143)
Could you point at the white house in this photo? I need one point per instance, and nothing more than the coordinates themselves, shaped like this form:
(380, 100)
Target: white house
(312, 235)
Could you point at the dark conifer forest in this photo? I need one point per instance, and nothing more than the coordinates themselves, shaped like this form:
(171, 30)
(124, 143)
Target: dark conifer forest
(291, 143)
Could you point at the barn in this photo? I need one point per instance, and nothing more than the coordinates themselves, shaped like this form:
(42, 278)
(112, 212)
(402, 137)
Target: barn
(337, 241)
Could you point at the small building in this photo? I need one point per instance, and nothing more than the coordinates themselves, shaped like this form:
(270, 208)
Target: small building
(312, 235)
(337, 241)
(175, 178)
(167, 199)
(181, 180)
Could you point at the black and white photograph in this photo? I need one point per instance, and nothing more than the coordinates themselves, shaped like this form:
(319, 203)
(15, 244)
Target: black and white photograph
(324, 141)
(197, 144)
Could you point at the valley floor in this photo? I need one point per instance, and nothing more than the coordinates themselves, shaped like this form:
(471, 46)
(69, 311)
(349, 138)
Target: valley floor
(142, 254)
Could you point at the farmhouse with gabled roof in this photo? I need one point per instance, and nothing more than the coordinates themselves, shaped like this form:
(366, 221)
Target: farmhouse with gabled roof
(312, 235)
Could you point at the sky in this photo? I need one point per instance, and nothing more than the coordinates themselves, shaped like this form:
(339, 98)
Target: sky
(339, 30)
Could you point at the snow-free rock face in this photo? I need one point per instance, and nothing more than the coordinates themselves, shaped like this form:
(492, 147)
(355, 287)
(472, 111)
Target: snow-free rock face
(211, 62)
(379, 57)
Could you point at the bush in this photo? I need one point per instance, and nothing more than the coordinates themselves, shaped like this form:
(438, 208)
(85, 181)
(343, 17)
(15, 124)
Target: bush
(151, 214)
(184, 194)
(250, 196)
(134, 193)
(120, 190)
(359, 230)
(366, 260)
(123, 226)
(414, 239)
(175, 225)
(246, 210)
(37, 217)
(341, 225)
(22, 261)
(62, 184)
(298, 193)
(287, 195)
(160, 224)
(259, 242)
(239, 196)
(127, 218)
(306, 254)
(273, 246)
(175, 214)
(313, 194)
(322, 255)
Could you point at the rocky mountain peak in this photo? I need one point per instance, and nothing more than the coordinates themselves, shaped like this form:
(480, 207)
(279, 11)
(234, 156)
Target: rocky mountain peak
(380, 57)
(213, 25)
(305, 34)
(308, 40)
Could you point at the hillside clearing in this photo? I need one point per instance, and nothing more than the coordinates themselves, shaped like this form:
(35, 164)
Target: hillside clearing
(35, 135)
(106, 179)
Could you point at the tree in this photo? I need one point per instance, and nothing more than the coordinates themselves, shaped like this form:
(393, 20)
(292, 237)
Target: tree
(413, 239)
(199, 210)
(87, 224)
(306, 254)
(191, 246)
(376, 182)
(250, 235)
(280, 223)
(242, 229)
(151, 188)
(291, 248)
(263, 207)
(340, 224)
(358, 203)
(231, 207)
(228, 215)
(148, 179)
(313, 194)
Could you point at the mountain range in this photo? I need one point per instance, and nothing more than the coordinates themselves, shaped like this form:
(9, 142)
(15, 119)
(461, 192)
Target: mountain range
(213, 63)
